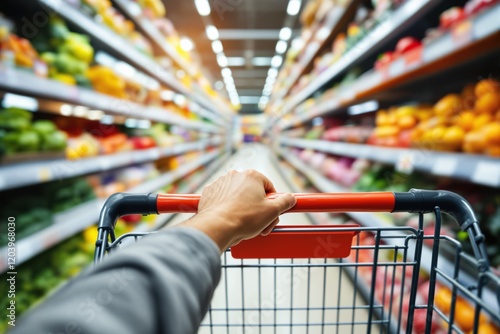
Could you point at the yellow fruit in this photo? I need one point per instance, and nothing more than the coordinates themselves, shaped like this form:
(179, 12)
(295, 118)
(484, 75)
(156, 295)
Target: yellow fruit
(468, 96)
(487, 328)
(386, 131)
(481, 121)
(486, 86)
(493, 151)
(465, 120)
(488, 103)
(406, 111)
(90, 234)
(407, 122)
(454, 135)
(474, 142)
(448, 106)
(443, 300)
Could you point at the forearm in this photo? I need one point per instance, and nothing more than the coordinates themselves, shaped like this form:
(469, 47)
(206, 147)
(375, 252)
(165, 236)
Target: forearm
(164, 283)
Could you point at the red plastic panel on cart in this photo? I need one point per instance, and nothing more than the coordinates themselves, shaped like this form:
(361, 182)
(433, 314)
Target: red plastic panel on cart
(293, 244)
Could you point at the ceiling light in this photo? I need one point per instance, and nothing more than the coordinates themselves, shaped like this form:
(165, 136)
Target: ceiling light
(272, 73)
(203, 7)
(270, 80)
(226, 72)
(236, 61)
(364, 107)
(105, 59)
(222, 60)
(217, 46)
(131, 122)
(297, 43)
(186, 44)
(229, 80)
(277, 61)
(293, 7)
(249, 99)
(261, 61)
(80, 111)
(212, 32)
(144, 124)
(281, 47)
(180, 100)
(285, 33)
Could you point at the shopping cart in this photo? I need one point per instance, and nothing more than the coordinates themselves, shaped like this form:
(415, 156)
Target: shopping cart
(344, 278)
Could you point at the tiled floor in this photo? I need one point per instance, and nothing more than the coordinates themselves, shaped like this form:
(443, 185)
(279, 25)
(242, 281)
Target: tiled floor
(284, 296)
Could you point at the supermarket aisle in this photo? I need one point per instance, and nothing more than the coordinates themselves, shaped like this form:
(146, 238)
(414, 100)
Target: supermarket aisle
(283, 296)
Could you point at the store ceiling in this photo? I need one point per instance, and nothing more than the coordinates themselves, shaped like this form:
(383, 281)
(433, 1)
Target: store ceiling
(248, 30)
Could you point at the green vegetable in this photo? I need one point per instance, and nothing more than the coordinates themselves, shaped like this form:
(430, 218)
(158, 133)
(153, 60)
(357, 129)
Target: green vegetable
(29, 141)
(68, 64)
(44, 127)
(54, 141)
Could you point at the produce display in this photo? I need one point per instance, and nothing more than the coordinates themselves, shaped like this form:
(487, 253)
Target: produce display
(46, 272)
(363, 175)
(18, 51)
(45, 200)
(20, 134)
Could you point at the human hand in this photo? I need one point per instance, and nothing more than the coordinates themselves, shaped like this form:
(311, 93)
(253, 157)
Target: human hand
(235, 207)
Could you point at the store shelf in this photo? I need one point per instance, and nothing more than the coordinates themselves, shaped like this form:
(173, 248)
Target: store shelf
(313, 46)
(477, 169)
(134, 12)
(75, 220)
(447, 51)
(121, 47)
(23, 82)
(383, 220)
(395, 23)
(34, 172)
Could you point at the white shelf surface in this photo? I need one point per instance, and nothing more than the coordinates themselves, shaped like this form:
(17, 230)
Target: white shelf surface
(123, 49)
(26, 83)
(482, 26)
(74, 220)
(479, 169)
(34, 172)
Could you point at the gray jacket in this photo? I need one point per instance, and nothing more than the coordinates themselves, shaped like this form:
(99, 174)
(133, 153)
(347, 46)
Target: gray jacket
(162, 284)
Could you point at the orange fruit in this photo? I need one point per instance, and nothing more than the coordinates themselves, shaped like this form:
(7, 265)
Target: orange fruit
(465, 120)
(486, 86)
(448, 105)
(481, 120)
(381, 118)
(488, 103)
(454, 135)
(492, 133)
(464, 315)
(468, 96)
(474, 142)
(443, 300)
(487, 328)
(407, 121)
(493, 151)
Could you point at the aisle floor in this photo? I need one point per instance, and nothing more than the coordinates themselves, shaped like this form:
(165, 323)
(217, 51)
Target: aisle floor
(271, 296)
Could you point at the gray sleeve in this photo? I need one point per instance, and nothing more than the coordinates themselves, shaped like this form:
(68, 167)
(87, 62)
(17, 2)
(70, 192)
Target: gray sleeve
(162, 284)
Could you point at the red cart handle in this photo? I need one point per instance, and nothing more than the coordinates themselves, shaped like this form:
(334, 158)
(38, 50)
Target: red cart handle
(315, 202)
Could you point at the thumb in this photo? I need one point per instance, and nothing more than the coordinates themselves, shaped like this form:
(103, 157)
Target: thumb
(284, 202)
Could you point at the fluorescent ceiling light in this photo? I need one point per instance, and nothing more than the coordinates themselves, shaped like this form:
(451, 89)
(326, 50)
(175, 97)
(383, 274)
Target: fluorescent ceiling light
(285, 33)
(264, 100)
(281, 47)
(236, 61)
(229, 81)
(270, 80)
(226, 72)
(277, 61)
(293, 7)
(180, 100)
(212, 32)
(66, 110)
(217, 46)
(297, 43)
(364, 107)
(20, 101)
(261, 61)
(272, 73)
(186, 44)
(222, 60)
(203, 7)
